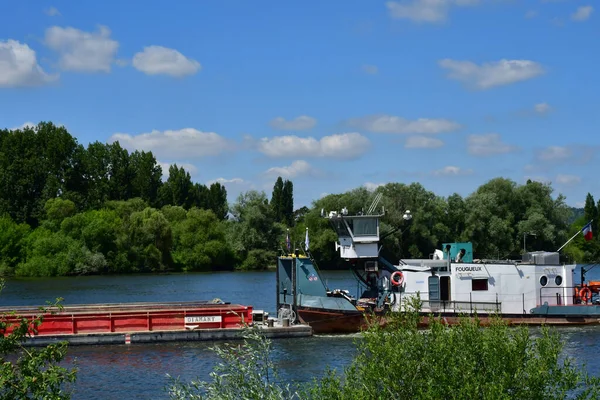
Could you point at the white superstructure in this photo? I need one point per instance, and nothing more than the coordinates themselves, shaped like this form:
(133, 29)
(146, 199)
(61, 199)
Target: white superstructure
(444, 285)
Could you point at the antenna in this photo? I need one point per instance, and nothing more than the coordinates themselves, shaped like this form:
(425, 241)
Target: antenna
(375, 202)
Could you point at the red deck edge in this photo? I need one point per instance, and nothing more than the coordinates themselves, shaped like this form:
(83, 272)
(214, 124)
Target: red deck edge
(140, 317)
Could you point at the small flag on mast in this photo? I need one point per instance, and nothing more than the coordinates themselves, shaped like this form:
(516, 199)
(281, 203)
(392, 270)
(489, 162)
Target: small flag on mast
(287, 241)
(306, 241)
(587, 231)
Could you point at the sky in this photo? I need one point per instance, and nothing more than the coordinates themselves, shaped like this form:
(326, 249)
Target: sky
(332, 95)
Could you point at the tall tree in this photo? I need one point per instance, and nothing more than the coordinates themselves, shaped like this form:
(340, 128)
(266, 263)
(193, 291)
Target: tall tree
(95, 162)
(147, 176)
(35, 164)
(218, 200)
(255, 235)
(287, 203)
(120, 173)
(590, 212)
(178, 190)
(277, 200)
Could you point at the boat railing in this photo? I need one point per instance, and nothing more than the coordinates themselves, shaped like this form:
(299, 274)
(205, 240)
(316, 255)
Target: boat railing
(460, 306)
(556, 296)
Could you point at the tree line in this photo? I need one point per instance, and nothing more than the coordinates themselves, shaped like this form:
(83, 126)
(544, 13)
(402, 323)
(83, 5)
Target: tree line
(67, 210)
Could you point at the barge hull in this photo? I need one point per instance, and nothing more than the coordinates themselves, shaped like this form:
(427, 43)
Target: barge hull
(332, 321)
(276, 332)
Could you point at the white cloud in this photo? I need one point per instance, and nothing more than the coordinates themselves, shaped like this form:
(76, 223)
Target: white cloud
(491, 74)
(300, 123)
(52, 12)
(83, 51)
(538, 178)
(370, 69)
(542, 108)
(393, 124)
(190, 168)
(19, 67)
(425, 10)
(341, 146)
(25, 125)
(155, 60)
(422, 142)
(488, 144)
(563, 179)
(371, 186)
(451, 170)
(224, 181)
(583, 13)
(554, 153)
(296, 169)
(550, 157)
(187, 143)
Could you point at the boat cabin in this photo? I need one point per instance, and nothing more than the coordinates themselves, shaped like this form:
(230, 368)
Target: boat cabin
(451, 280)
(358, 235)
(508, 287)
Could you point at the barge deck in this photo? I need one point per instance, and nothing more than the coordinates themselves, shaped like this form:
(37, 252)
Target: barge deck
(128, 323)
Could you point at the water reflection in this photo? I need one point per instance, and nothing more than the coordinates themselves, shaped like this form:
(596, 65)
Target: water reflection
(139, 371)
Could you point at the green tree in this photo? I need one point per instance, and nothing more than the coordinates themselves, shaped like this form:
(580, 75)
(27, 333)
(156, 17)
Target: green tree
(277, 200)
(31, 373)
(99, 231)
(199, 242)
(147, 178)
(50, 253)
(288, 203)
(217, 200)
(179, 189)
(255, 234)
(460, 362)
(121, 175)
(590, 211)
(35, 165)
(12, 244)
(56, 211)
(94, 165)
(149, 241)
(245, 372)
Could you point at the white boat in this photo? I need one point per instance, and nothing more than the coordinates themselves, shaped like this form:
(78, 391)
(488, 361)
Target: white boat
(537, 289)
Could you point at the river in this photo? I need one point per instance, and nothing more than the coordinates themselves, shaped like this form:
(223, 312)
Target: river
(139, 371)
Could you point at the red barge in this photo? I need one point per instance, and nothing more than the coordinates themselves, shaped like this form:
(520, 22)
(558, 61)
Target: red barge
(143, 322)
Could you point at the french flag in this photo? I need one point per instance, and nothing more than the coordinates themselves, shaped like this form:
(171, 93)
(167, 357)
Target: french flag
(587, 231)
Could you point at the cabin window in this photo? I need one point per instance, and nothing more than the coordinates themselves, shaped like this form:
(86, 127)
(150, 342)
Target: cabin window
(479, 284)
(544, 280)
(558, 280)
(434, 288)
(340, 227)
(365, 227)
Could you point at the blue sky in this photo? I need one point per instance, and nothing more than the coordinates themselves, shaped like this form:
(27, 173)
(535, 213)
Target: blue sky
(332, 95)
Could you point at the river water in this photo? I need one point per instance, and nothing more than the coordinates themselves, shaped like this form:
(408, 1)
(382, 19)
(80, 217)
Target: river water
(139, 371)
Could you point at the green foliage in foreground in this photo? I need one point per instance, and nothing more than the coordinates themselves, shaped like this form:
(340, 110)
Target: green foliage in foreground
(402, 362)
(246, 371)
(31, 373)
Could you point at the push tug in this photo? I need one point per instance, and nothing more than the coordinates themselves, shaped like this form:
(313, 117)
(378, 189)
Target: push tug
(535, 290)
